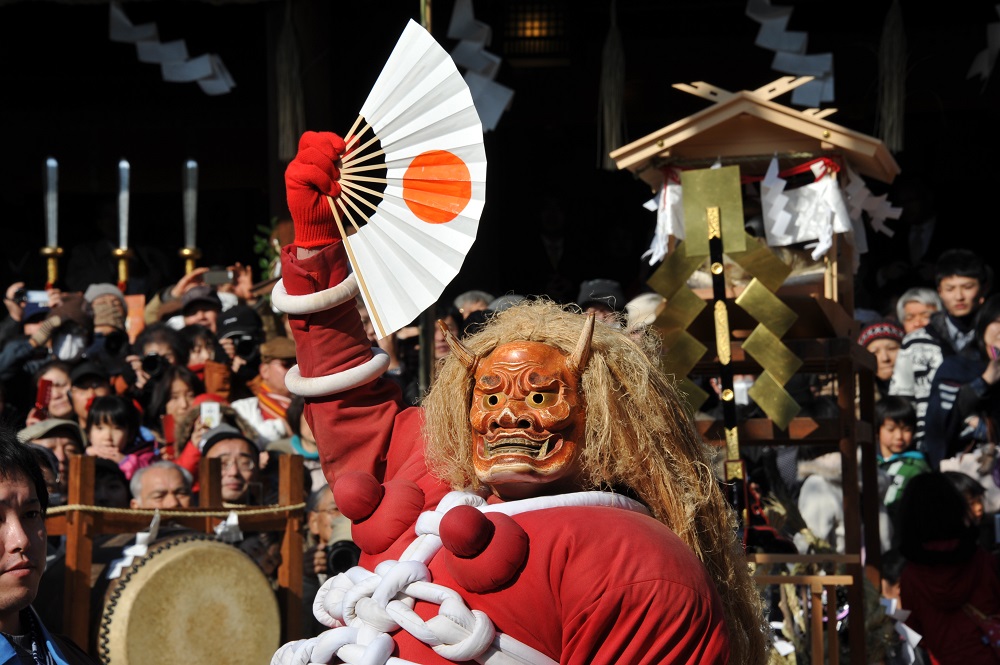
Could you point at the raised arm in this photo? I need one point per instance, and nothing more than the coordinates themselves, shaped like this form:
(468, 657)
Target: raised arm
(353, 426)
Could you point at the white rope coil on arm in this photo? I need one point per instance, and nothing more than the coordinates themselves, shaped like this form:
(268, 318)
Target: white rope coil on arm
(311, 303)
(321, 386)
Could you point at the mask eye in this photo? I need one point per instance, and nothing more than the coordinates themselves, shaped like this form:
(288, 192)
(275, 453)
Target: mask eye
(494, 401)
(538, 400)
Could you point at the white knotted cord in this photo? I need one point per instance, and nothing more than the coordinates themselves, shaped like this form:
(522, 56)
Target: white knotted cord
(363, 607)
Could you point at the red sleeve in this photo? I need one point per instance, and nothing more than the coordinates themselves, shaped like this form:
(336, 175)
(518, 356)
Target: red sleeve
(352, 428)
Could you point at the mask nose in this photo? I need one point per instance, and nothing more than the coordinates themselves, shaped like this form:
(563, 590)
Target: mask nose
(507, 419)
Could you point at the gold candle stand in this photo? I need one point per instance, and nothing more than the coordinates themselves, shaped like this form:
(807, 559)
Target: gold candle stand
(190, 255)
(123, 254)
(52, 255)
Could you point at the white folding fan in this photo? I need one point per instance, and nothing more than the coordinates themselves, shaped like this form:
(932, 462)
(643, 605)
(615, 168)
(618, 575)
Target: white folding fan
(416, 233)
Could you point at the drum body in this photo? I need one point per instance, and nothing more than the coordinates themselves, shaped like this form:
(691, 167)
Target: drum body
(190, 599)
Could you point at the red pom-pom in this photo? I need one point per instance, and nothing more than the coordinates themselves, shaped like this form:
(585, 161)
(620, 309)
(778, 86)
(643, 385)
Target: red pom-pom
(465, 531)
(357, 495)
(497, 563)
(381, 514)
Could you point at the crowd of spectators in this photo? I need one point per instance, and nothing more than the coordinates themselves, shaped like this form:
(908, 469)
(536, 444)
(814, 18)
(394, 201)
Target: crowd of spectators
(199, 372)
(205, 377)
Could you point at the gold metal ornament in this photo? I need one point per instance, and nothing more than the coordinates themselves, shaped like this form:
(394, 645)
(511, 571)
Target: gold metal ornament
(674, 271)
(772, 354)
(681, 352)
(682, 308)
(713, 188)
(692, 391)
(772, 397)
(758, 260)
(767, 308)
(722, 332)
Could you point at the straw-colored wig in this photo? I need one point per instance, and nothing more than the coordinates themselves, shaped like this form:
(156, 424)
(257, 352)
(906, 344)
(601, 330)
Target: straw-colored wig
(638, 436)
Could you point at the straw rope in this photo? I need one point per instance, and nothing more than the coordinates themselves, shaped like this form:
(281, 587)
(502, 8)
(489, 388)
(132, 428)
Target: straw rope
(194, 512)
(892, 79)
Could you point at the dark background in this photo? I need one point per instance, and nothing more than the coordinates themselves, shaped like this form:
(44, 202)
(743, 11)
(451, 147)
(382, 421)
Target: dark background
(69, 92)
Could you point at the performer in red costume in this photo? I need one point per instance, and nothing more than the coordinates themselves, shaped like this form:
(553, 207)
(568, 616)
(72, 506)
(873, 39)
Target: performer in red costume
(550, 503)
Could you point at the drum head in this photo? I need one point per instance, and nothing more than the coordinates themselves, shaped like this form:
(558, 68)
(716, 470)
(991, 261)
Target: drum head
(190, 600)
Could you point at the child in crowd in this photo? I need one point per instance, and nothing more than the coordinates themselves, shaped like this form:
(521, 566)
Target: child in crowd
(113, 433)
(896, 420)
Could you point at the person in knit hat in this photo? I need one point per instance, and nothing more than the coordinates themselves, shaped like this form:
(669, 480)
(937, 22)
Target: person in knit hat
(882, 339)
(109, 310)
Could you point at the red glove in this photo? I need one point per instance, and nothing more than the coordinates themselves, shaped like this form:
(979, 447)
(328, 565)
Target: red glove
(309, 178)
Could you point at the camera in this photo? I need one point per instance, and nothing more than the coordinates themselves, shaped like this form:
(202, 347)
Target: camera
(245, 345)
(217, 277)
(154, 364)
(341, 556)
(20, 296)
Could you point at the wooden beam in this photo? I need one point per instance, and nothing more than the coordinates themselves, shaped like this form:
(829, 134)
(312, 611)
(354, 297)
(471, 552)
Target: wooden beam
(780, 86)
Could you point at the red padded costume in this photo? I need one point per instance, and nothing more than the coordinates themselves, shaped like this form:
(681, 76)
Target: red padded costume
(598, 585)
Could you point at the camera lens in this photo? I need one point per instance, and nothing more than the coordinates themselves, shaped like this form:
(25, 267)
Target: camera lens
(21, 295)
(245, 346)
(341, 556)
(153, 364)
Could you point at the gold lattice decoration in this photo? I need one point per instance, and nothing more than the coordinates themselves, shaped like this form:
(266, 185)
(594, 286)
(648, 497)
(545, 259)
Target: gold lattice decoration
(719, 188)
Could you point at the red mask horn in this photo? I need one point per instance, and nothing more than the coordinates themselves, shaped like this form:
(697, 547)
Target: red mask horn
(468, 359)
(577, 362)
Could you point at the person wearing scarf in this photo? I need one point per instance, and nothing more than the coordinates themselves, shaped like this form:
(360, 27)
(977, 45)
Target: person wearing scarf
(267, 409)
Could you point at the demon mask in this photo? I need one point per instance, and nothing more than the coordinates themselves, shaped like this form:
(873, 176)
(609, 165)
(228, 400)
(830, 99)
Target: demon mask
(528, 416)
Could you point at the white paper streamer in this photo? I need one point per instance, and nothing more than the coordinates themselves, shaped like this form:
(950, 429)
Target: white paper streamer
(774, 203)
(790, 56)
(985, 60)
(175, 64)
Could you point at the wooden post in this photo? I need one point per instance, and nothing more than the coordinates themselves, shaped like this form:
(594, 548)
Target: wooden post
(79, 551)
(290, 492)
(210, 488)
(852, 505)
(869, 479)
(816, 620)
(832, 639)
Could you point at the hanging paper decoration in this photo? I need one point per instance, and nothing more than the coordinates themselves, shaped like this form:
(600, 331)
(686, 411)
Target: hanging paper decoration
(479, 65)
(809, 215)
(175, 65)
(429, 141)
(669, 207)
(982, 65)
(774, 203)
(790, 56)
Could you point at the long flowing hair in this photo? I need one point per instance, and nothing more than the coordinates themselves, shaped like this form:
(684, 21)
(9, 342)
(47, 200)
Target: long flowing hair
(639, 436)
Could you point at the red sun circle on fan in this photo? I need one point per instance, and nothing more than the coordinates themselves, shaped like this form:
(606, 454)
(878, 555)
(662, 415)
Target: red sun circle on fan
(437, 186)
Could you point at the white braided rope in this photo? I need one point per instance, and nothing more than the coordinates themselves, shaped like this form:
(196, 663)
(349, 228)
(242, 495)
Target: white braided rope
(330, 384)
(311, 303)
(362, 607)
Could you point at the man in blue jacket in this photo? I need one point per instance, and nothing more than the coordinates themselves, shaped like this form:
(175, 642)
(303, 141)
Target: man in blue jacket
(23, 502)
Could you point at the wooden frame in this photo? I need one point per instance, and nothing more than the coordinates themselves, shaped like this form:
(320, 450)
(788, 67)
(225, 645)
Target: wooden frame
(81, 527)
(823, 338)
